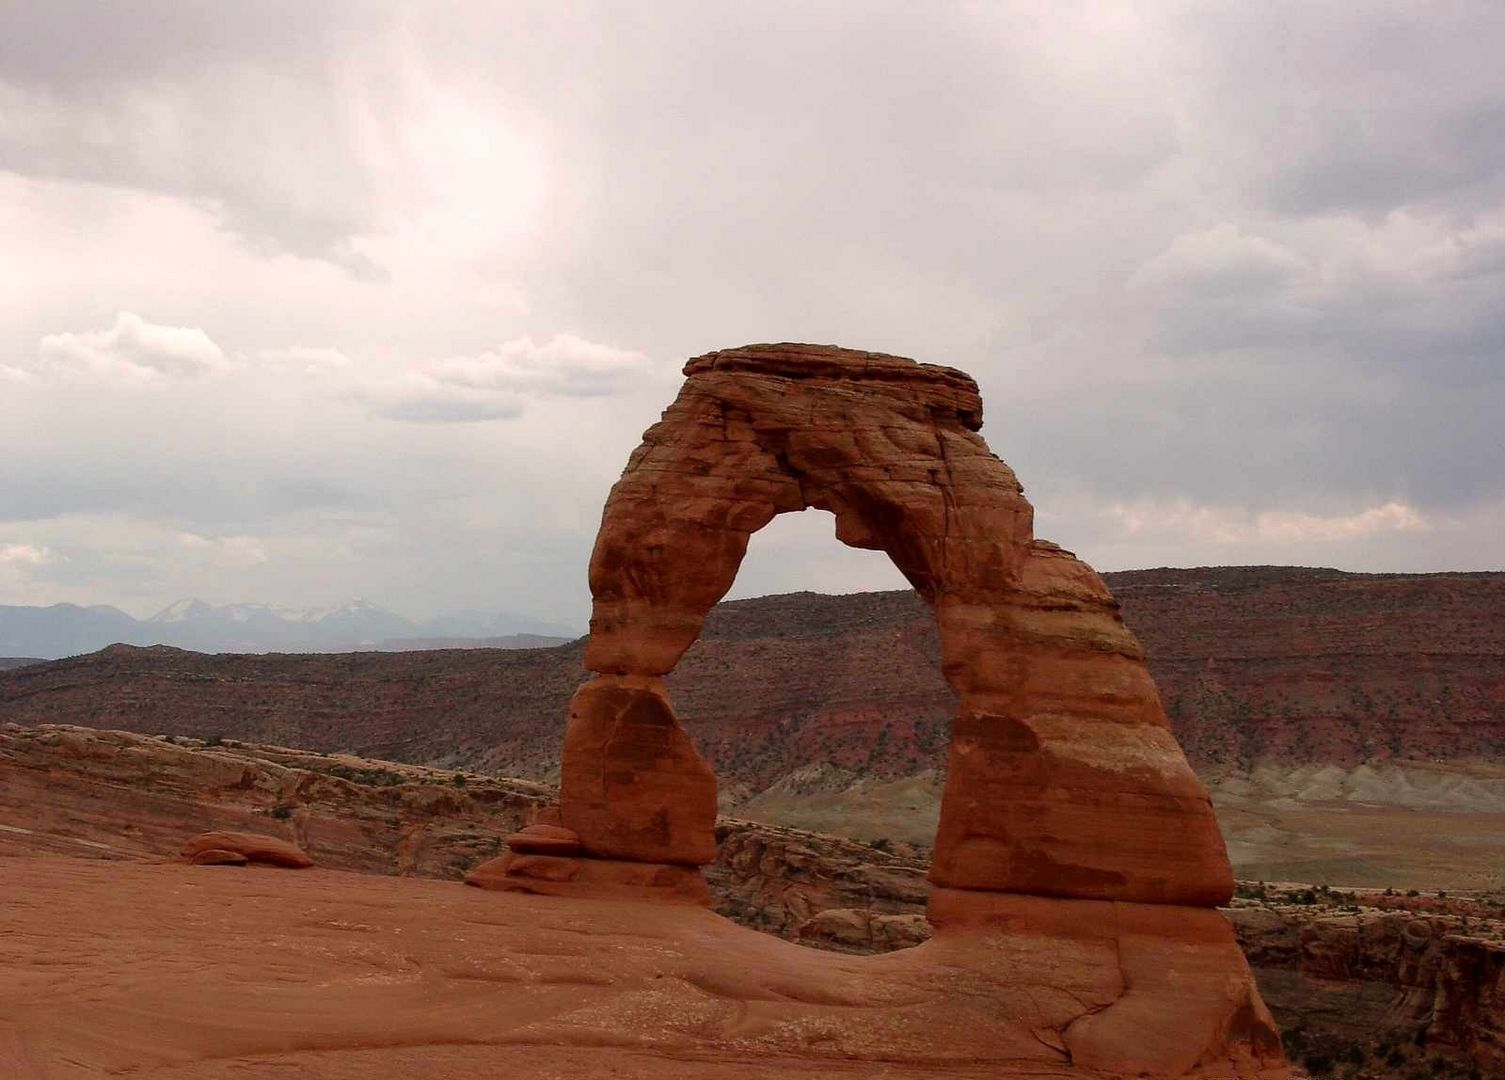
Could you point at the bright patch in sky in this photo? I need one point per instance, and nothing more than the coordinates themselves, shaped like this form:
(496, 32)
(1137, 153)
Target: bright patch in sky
(366, 300)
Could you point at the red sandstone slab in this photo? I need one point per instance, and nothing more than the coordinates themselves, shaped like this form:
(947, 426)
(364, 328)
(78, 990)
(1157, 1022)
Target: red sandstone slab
(190, 975)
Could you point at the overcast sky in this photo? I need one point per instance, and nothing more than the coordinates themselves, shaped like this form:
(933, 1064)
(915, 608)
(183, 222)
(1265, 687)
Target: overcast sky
(303, 301)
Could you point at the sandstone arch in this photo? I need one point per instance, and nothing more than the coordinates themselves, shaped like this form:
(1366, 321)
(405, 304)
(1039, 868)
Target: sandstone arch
(1064, 779)
(1077, 856)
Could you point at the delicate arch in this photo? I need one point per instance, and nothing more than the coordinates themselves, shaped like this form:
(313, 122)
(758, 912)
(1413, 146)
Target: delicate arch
(1064, 778)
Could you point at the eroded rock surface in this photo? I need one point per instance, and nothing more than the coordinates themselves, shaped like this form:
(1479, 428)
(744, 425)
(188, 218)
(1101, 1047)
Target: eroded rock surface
(1392, 986)
(1076, 850)
(222, 848)
(121, 796)
(326, 975)
(1064, 778)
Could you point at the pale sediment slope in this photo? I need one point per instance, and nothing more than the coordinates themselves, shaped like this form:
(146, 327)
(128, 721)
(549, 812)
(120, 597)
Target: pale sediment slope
(1424, 825)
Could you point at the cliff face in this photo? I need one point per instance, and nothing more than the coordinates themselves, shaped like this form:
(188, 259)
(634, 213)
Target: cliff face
(1388, 991)
(440, 707)
(1298, 666)
(1267, 663)
(1349, 726)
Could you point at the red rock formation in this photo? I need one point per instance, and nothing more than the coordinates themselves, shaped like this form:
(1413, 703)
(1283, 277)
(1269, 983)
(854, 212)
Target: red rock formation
(1395, 989)
(328, 975)
(119, 796)
(623, 748)
(217, 857)
(224, 847)
(1265, 663)
(1064, 778)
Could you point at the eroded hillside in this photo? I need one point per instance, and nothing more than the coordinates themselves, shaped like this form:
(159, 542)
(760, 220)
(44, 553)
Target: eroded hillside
(1346, 723)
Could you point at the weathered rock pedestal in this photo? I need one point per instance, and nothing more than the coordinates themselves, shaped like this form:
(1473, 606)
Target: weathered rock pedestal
(1074, 839)
(637, 810)
(545, 859)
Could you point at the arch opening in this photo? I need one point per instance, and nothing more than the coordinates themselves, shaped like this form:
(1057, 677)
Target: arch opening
(799, 551)
(821, 706)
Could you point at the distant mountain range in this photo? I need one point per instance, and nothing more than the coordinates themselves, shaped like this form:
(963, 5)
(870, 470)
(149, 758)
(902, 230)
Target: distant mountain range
(70, 630)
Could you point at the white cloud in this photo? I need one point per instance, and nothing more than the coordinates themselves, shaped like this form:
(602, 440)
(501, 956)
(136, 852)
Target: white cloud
(132, 351)
(306, 357)
(1392, 517)
(1223, 257)
(565, 365)
(320, 363)
(420, 398)
(25, 555)
(1233, 525)
(231, 552)
(21, 573)
(495, 384)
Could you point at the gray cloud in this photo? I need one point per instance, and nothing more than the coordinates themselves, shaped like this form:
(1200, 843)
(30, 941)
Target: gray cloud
(1230, 277)
(248, 111)
(1360, 107)
(495, 384)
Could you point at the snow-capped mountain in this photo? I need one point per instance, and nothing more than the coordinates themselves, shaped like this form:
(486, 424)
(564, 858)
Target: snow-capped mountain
(193, 624)
(68, 630)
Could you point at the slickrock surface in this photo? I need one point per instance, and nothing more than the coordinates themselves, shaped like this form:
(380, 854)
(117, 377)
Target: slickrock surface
(117, 795)
(1063, 776)
(113, 794)
(71, 790)
(201, 973)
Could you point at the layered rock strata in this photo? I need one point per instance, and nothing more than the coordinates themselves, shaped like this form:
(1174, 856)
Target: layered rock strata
(1400, 988)
(1068, 803)
(1064, 779)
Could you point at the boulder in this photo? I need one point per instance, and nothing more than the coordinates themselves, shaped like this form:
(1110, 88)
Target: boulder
(542, 839)
(252, 847)
(217, 857)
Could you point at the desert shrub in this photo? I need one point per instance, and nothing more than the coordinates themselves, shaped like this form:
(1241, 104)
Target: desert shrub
(1318, 1062)
(282, 812)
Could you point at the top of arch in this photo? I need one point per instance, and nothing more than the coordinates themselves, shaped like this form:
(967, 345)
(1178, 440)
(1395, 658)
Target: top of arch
(944, 387)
